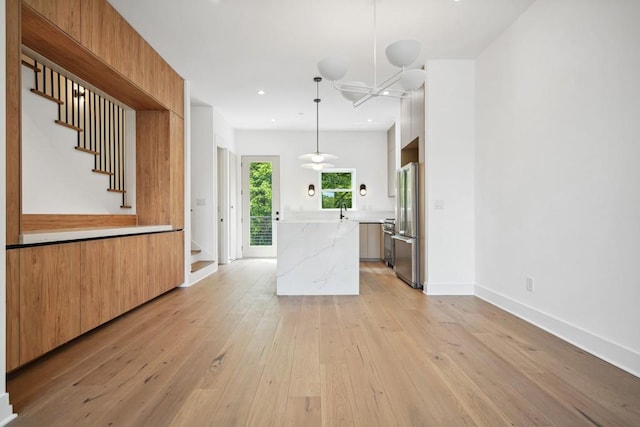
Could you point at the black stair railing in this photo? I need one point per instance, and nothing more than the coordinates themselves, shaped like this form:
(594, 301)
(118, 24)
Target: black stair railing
(98, 121)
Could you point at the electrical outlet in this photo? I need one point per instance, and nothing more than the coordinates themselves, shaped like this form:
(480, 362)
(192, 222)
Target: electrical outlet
(530, 284)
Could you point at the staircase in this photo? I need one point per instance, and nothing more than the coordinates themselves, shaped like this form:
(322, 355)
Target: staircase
(196, 262)
(98, 121)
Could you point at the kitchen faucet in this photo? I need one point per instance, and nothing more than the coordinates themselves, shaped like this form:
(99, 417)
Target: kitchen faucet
(343, 205)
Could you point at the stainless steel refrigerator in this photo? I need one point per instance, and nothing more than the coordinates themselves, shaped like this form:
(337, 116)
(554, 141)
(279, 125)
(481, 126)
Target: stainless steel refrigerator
(405, 241)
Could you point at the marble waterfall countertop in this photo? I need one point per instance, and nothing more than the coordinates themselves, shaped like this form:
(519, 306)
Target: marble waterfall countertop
(318, 257)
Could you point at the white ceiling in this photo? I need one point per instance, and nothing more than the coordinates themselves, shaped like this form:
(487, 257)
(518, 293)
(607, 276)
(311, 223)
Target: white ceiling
(229, 49)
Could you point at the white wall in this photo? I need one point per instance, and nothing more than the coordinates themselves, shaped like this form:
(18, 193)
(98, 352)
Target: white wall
(208, 131)
(366, 152)
(58, 179)
(6, 411)
(557, 176)
(203, 194)
(450, 118)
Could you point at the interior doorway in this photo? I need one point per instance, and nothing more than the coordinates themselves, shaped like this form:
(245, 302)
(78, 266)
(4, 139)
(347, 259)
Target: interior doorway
(260, 205)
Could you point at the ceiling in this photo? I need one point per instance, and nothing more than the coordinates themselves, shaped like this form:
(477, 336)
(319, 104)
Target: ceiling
(230, 49)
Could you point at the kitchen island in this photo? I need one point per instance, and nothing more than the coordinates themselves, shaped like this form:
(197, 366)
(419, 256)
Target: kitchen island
(318, 258)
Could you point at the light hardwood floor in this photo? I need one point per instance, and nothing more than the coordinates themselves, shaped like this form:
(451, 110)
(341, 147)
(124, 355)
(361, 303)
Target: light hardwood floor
(228, 352)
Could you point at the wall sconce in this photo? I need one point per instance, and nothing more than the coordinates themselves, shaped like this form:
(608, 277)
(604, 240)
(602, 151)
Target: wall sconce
(78, 93)
(363, 190)
(311, 190)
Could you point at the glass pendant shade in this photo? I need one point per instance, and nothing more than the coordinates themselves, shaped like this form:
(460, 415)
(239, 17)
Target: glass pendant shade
(317, 166)
(403, 52)
(355, 94)
(332, 68)
(412, 79)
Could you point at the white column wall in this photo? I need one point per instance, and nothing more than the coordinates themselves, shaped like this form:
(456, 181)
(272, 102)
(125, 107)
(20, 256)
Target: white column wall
(557, 176)
(450, 129)
(203, 181)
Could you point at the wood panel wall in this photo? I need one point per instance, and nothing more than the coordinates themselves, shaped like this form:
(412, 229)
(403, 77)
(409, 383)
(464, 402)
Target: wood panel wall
(65, 14)
(153, 179)
(39, 222)
(48, 285)
(13, 123)
(176, 166)
(110, 37)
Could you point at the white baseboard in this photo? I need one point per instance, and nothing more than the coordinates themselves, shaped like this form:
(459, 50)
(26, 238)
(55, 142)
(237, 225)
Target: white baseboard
(6, 410)
(199, 275)
(449, 288)
(606, 350)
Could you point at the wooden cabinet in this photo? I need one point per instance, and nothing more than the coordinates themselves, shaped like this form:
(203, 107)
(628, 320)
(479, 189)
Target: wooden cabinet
(132, 270)
(370, 242)
(166, 263)
(57, 292)
(412, 117)
(13, 309)
(65, 14)
(49, 298)
(100, 291)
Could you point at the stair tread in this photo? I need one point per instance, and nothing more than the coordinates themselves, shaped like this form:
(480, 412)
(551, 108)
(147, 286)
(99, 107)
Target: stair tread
(115, 190)
(125, 207)
(29, 65)
(86, 150)
(195, 251)
(67, 125)
(199, 265)
(102, 171)
(49, 97)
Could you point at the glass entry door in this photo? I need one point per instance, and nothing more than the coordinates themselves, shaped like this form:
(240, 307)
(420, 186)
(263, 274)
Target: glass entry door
(260, 205)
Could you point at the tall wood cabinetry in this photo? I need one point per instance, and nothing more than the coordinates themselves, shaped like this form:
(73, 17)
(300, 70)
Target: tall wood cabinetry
(57, 291)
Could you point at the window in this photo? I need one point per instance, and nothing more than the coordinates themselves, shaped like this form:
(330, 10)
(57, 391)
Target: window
(337, 189)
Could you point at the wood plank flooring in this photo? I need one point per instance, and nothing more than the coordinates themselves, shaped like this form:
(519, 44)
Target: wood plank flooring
(228, 352)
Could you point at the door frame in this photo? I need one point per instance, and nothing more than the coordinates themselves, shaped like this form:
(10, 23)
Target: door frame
(260, 251)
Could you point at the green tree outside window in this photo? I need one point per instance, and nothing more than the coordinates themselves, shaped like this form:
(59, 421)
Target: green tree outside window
(337, 189)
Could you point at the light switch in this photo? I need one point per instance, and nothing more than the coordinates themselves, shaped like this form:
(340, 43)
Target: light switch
(438, 204)
(201, 202)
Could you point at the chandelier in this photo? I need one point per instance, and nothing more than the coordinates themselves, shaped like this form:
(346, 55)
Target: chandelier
(401, 54)
(317, 159)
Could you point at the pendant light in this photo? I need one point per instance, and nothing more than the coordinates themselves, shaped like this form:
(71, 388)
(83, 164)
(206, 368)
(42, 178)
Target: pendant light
(317, 159)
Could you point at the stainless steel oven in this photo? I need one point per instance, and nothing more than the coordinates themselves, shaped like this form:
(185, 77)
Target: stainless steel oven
(388, 228)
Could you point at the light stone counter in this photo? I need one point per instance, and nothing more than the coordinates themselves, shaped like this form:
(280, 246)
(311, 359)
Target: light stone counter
(89, 233)
(318, 258)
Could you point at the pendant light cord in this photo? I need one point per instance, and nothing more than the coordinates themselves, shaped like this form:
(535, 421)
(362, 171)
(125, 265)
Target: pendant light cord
(317, 101)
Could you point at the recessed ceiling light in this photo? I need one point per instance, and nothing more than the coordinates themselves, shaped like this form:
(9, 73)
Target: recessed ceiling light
(273, 120)
(260, 92)
(370, 120)
(386, 92)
